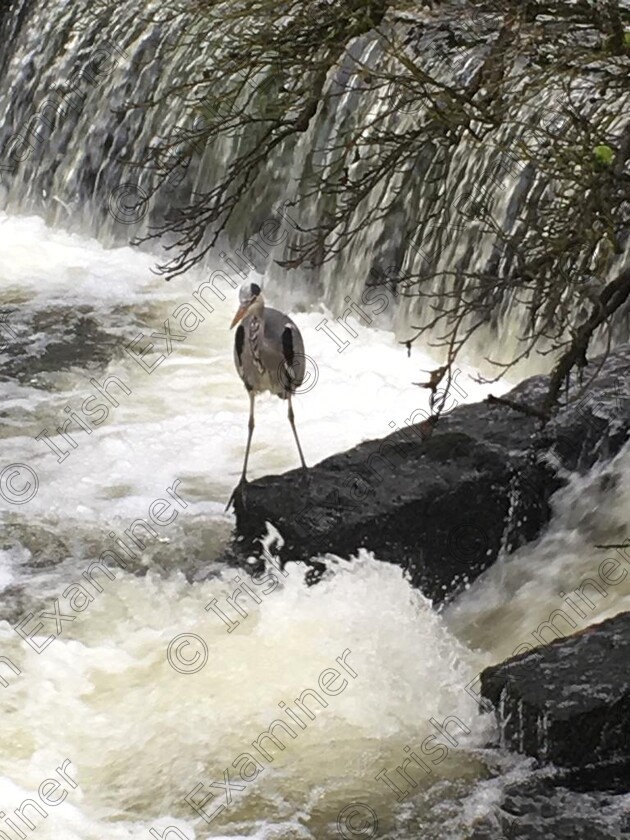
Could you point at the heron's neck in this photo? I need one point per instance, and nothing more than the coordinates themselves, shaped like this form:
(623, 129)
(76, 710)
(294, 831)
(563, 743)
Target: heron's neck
(255, 331)
(257, 310)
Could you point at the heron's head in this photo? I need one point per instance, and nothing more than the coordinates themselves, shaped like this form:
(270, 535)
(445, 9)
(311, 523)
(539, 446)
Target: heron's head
(250, 300)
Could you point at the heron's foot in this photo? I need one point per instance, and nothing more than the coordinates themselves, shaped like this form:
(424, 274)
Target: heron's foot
(239, 495)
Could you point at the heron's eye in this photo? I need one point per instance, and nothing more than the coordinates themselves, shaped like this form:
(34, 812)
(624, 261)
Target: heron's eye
(254, 289)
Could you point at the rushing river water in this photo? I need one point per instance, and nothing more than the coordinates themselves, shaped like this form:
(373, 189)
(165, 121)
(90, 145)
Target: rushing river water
(92, 683)
(125, 686)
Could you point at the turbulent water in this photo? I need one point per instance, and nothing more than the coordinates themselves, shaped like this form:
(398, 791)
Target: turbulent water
(141, 733)
(126, 687)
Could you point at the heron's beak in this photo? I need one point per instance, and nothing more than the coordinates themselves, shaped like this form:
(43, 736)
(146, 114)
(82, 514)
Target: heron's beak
(241, 312)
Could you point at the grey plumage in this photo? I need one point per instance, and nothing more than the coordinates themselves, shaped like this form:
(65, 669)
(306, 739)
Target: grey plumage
(271, 359)
(268, 355)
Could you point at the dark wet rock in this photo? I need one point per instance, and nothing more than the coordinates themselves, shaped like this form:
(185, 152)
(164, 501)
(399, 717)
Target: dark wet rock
(441, 502)
(568, 703)
(541, 808)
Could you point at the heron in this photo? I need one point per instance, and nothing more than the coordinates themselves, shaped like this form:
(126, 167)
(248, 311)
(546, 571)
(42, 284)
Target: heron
(268, 356)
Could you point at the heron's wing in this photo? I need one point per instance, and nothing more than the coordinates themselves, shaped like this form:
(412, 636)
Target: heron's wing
(288, 350)
(293, 352)
(284, 349)
(239, 343)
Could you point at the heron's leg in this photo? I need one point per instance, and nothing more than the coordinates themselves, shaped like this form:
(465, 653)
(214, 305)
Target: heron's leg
(238, 494)
(295, 435)
(250, 432)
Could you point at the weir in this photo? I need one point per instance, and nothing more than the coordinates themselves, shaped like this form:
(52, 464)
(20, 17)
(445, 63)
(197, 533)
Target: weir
(436, 552)
(74, 150)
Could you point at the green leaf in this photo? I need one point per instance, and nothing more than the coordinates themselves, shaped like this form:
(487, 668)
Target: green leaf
(604, 155)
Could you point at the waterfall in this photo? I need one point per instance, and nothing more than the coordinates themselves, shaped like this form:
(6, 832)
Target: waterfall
(73, 152)
(117, 398)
